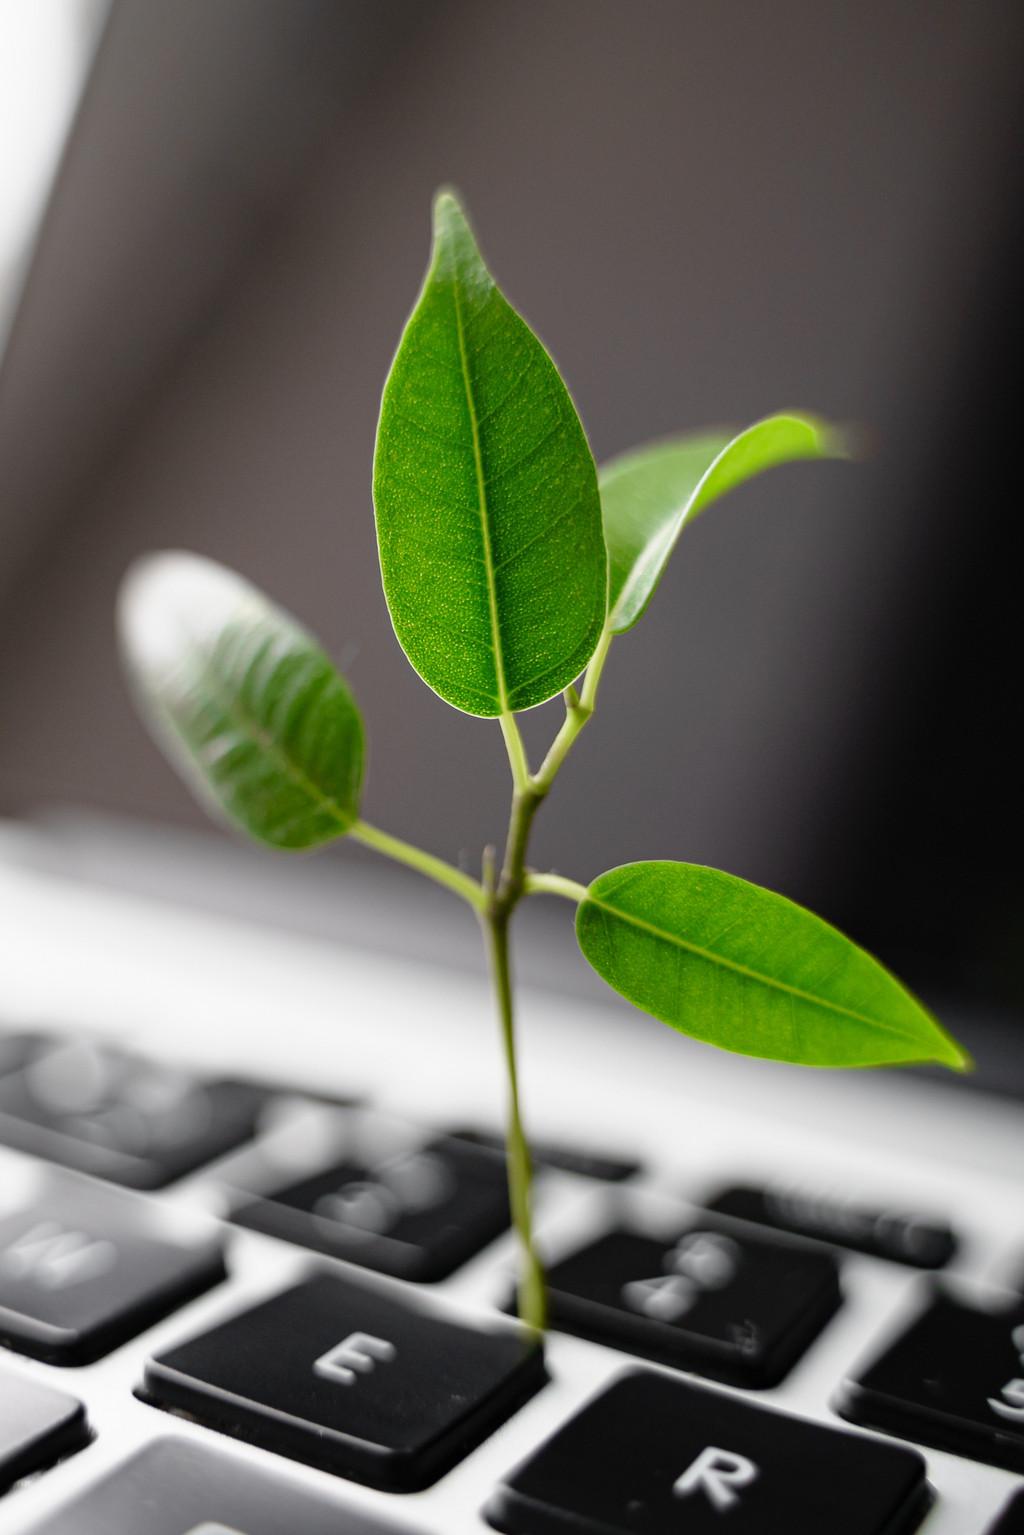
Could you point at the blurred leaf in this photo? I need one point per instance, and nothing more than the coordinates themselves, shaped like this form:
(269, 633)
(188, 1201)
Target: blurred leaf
(648, 495)
(740, 967)
(243, 700)
(488, 514)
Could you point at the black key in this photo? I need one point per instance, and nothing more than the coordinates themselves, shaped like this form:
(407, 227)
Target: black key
(16, 1049)
(653, 1455)
(85, 1267)
(567, 1159)
(366, 1383)
(735, 1307)
(1011, 1520)
(891, 1234)
(954, 1379)
(174, 1487)
(418, 1215)
(121, 1117)
(37, 1427)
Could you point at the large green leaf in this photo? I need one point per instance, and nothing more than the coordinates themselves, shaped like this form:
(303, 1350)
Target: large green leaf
(244, 701)
(488, 514)
(649, 494)
(745, 969)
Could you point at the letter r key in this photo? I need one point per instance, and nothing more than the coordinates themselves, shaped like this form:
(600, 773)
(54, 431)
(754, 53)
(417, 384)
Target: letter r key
(665, 1456)
(718, 1474)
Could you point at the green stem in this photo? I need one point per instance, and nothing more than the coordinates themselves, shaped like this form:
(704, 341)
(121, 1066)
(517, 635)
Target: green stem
(424, 863)
(516, 751)
(592, 680)
(555, 884)
(578, 710)
(504, 897)
(501, 897)
(532, 1292)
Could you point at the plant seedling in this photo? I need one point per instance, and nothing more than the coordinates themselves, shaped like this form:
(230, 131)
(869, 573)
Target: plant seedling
(510, 564)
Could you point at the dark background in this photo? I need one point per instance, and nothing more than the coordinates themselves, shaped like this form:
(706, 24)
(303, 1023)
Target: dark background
(709, 211)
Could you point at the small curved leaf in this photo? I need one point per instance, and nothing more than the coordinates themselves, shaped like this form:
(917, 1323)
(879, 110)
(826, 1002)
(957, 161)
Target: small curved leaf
(488, 514)
(742, 968)
(243, 700)
(648, 495)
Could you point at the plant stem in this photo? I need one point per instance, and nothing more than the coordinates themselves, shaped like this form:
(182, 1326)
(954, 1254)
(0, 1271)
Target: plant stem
(532, 1290)
(555, 884)
(516, 751)
(578, 709)
(424, 863)
(496, 917)
(500, 900)
(495, 899)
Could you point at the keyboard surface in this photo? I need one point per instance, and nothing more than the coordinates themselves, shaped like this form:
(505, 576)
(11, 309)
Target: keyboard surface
(781, 1300)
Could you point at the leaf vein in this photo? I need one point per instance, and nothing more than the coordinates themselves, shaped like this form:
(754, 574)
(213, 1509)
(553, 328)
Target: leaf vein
(492, 596)
(447, 439)
(541, 533)
(250, 726)
(746, 971)
(500, 405)
(511, 470)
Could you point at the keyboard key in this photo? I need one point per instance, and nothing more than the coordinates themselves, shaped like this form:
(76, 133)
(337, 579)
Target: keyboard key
(567, 1159)
(660, 1456)
(891, 1234)
(120, 1117)
(1011, 1520)
(363, 1382)
(735, 1307)
(954, 1379)
(37, 1427)
(85, 1267)
(16, 1049)
(174, 1487)
(418, 1215)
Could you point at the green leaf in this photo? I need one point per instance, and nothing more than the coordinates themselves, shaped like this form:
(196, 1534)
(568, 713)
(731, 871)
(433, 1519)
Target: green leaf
(488, 514)
(243, 700)
(649, 494)
(740, 967)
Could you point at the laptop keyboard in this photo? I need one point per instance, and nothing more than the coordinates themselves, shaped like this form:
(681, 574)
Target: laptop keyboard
(1012, 1520)
(84, 1268)
(360, 1375)
(171, 1487)
(954, 1378)
(418, 1214)
(371, 1385)
(735, 1307)
(120, 1116)
(777, 1474)
(37, 1427)
(891, 1234)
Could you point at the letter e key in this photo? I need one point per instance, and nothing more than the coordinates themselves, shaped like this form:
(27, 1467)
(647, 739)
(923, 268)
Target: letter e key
(356, 1355)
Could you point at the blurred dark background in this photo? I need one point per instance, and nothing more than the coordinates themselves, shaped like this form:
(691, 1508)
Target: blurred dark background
(709, 210)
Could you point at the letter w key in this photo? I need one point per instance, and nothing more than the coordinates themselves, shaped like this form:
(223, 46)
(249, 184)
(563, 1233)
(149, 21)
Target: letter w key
(55, 1257)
